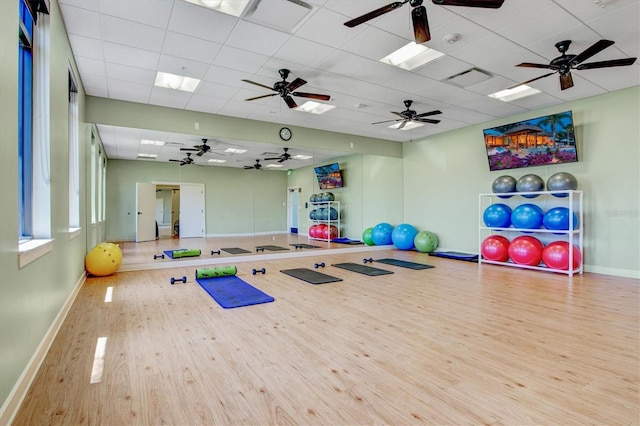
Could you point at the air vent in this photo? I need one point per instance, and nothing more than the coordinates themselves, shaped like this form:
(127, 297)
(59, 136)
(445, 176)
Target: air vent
(469, 77)
(284, 15)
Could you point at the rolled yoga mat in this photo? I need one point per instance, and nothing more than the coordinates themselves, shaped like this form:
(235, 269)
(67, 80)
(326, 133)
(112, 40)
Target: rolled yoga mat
(220, 271)
(176, 254)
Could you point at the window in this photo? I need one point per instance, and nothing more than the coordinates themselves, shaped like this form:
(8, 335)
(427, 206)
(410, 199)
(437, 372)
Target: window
(94, 180)
(74, 161)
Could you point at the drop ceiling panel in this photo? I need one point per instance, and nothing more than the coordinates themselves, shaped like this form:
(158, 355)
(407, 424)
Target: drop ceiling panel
(254, 38)
(86, 47)
(149, 12)
(125, 32)
(167, 97)
(181, 66)
(132, 74)
(193, 48)
(304, 52)
(128, 91)
(131, 56)
(91, 66)
(196, 21)
(326, 27)
(238, 59)
(81, 21)
(374, 44)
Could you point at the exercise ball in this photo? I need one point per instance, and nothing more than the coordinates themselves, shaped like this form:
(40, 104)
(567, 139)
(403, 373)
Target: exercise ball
(104, 259)
(562, 181)
(329, 196)
(504, 184)
(557, 218)
(526, 250)
(497, 216)
(527, 216)
(332, 231)
(312, 214)
(312, 231)
(495, 248)
(402, 236)
(366, 237)
(425, 241)
(530, 183)
(556, 255)
(320, 214)
(333, 214)
(313, 198)
(381, 234)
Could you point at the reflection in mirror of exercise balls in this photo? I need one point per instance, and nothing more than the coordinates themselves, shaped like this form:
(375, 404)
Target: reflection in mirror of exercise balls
(366, 237)
(403, 235)
(381, 234)
(425, 241)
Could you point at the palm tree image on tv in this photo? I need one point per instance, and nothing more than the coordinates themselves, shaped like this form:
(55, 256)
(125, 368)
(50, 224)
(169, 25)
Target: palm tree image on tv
(534, 142)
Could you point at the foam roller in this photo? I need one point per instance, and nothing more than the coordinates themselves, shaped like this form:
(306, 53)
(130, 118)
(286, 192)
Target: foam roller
(186, 253)
(220, 271)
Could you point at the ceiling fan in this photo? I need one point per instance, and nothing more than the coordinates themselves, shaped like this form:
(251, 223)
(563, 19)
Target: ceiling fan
(282, 157)
(186, 160)
(419, 13)
(564, 63)
(410, 115)
(286, 90)
(256, 166)
(200, 149)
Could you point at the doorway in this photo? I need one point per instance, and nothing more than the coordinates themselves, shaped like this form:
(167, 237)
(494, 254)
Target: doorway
(293, 195)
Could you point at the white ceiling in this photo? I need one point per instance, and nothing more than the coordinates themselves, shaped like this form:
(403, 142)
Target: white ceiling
(119, 45)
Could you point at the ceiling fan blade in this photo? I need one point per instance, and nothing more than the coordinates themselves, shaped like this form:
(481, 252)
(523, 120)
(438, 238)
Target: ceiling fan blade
(387, 121)
(290, 102)
(295, 84)
(420, 24)
(200, 153)
(257, 84)
(404, 123)
(189, 149)
(260, 97)
(606, 64)
(248, 167)
(490, 4)
(530, 81)
(427, 114)
(596, 47)
(312, 96)
(426, 120)
(272, 158)
(374, 13)
(532, 65)
(177, 161)
(400, 114)
(566, 81)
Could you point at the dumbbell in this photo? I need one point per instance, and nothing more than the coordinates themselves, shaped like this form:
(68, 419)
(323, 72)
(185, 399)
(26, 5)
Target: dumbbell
(318, 265)
(182, 280)
(259, 249)
(215, 252)
(369, 260)
(262, 271)
(297, 246)
(156, 256)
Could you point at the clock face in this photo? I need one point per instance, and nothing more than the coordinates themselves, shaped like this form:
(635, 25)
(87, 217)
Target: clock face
(285, 134)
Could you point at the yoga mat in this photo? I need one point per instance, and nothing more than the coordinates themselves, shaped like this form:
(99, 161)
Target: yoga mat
(362, 269)
(310, 276)
(233, 292)
(455, 255)
(176, 254)
(405, 264)
(235, 250)
(218, 271)
(305, 246)
(346, 241)
(271, 248)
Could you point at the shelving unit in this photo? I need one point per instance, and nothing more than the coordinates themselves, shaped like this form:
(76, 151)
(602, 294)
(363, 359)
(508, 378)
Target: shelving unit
(328, 221)
(545, 200)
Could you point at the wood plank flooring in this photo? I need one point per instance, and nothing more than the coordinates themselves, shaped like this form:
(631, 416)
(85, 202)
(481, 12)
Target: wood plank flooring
(457, 344)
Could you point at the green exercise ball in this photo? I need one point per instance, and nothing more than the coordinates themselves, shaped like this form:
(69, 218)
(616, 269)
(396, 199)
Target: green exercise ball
(425, 241)
(366, 237)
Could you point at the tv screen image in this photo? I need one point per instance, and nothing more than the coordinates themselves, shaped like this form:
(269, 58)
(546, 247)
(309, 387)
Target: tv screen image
(534, 142)
(329, 176)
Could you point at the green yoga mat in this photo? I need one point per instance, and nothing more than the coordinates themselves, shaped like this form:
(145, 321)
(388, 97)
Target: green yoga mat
(176, 254)
(219, 271)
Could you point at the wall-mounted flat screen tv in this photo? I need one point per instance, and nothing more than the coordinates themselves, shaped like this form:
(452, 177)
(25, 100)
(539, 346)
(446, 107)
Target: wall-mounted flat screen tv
(535, 142)
(329, 176)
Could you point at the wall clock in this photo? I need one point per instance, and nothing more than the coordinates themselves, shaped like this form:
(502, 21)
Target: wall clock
(285, 134)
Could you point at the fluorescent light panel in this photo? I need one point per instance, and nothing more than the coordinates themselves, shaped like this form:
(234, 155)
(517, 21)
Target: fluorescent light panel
(302, 157)
(235, 151)
(176, 82)
(315, 107)
(411, 56)
(149, 142)
(274, 166)
(410, 125)
(517, 92)
(230, 7)
(215, 160)
(145, 155)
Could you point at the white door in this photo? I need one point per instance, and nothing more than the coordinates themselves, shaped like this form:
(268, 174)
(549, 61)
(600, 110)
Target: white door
(145, 212)
(160, 211)
(191, 210)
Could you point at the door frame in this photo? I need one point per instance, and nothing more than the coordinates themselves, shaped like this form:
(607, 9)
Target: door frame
(290, 207)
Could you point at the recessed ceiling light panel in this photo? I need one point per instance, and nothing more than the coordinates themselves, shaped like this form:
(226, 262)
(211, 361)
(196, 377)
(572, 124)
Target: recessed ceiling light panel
(514, 93)
(176, 82)
(230, 7)
(411, 56)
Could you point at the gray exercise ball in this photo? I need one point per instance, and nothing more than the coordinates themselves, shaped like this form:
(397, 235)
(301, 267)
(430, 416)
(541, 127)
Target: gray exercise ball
(562, 181)
(504, 184)
(530, 183)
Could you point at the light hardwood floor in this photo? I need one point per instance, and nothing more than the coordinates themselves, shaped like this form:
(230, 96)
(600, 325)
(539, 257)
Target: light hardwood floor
(457, 344)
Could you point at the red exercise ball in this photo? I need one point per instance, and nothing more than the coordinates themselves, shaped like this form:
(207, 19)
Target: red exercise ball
(556, 255)
(495, 248)
(526, 250)
(313, 231)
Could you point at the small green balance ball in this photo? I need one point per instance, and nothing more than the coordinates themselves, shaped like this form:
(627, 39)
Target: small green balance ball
(366, 237)
(425, 241)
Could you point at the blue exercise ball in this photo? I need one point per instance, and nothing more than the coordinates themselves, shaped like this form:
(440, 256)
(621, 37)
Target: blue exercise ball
(530, 183)
(403, 235)
(562, 181)
(333, 214)
(527, 216)
(557, 218)
(497, 216)
(504, 184)
(381, 234)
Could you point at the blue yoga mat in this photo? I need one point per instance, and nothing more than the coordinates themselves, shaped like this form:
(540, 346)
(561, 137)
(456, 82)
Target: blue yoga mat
(233, 292)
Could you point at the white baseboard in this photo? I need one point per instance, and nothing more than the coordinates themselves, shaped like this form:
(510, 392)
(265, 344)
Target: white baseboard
(11, 405)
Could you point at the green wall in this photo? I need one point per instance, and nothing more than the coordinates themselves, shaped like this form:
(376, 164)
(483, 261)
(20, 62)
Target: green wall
(445, 173)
